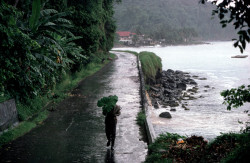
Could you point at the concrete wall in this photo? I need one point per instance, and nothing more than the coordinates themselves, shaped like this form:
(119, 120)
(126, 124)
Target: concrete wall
(149, 127)
(8, 114)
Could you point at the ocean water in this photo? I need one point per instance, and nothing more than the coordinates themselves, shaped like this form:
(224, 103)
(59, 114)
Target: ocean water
(207, 116)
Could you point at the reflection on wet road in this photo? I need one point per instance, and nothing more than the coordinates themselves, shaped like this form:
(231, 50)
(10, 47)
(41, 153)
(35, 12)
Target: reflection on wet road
(75, 132)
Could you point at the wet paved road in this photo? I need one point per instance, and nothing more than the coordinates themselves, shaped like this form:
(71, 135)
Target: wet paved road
(75, 132)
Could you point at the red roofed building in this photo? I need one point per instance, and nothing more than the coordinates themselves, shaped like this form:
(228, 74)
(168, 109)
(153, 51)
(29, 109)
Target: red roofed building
(125, 36)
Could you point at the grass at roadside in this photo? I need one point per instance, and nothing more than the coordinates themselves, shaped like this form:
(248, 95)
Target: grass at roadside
(141, 118)
(33, 112)
(23, 128)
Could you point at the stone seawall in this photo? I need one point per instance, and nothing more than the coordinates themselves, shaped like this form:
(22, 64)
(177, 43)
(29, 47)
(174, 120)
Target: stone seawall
(145, 105)
(8, 114)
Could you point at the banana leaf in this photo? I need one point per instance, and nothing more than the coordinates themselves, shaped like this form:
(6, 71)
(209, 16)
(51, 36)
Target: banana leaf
(107, 103)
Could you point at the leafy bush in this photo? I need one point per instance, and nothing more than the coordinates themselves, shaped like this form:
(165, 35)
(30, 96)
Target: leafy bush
(230, 147)
(19, 76)
(38, 47)
(160, 147)
(236, 97)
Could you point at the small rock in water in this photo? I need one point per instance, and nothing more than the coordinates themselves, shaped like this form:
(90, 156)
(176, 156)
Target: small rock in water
(165, 115)
(194, 89)
(192, 98)
(185, 94)
(207, 86)
(191, 81)
(185, 108)
(202, 78)
(178, 72)
(156, 105)
(172, 109)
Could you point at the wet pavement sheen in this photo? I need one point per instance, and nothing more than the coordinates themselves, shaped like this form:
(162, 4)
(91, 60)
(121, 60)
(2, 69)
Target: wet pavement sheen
(75, 132)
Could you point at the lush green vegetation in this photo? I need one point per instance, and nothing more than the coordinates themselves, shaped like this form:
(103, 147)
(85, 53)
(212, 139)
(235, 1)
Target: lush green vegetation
(151, 63)
(225, 148)
(176, 21)
(229, 148)
(41, 42)
(45, 42)
(47, 48)
(161, 145)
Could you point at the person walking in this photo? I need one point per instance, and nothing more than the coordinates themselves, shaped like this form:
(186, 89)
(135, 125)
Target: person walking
(110, 110)
(110, 124)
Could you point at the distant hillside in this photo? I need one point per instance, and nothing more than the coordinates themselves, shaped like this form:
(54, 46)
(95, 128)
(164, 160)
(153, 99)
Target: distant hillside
(170, 18)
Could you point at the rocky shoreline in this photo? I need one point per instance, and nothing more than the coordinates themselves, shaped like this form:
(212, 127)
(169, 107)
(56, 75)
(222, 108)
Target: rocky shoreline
(172, 89)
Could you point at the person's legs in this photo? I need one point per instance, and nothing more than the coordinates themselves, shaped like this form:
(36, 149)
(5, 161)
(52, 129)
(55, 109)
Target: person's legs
(113, 135)
(108, 134)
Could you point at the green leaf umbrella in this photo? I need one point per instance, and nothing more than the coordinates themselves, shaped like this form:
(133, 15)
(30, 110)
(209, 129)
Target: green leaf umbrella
(107, 103)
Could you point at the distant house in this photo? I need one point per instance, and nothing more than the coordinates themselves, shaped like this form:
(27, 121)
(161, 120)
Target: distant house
(126, 37)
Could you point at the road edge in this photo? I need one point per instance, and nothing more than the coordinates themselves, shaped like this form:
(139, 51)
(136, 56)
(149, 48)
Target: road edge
(145, 105)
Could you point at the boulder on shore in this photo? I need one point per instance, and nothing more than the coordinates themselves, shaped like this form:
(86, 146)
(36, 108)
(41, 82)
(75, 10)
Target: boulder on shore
(182, 86)
(165, 115)
(168, 91)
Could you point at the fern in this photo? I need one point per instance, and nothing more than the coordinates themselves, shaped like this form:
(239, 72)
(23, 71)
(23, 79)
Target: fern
(46, 12)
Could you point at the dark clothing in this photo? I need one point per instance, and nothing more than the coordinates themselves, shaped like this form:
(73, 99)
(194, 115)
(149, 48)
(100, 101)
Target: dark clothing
(110, 133)
(110, 123)
(111, 116)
